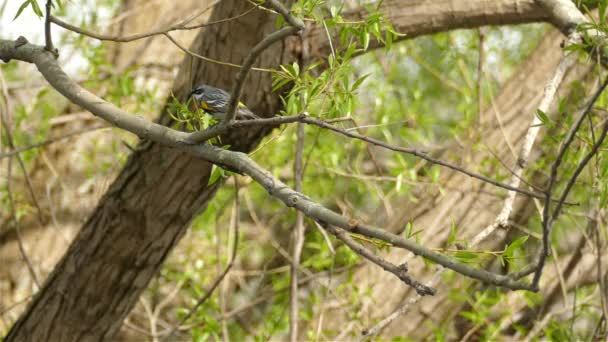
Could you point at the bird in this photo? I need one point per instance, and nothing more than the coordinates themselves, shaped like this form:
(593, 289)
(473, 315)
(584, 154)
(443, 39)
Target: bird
(215, 101)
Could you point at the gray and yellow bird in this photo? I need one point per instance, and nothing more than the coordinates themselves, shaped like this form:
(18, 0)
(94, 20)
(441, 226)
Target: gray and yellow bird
(215, 102)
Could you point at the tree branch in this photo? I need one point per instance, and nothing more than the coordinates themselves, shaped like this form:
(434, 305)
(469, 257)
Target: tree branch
(400, 271)
(51, 141)
(237, 87)
(298, 238)
(414, 18)
(180, 26)
(238, 161)
(214, 131)
(47, 28)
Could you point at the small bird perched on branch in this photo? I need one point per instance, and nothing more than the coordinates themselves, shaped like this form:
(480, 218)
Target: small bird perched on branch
(215, 102)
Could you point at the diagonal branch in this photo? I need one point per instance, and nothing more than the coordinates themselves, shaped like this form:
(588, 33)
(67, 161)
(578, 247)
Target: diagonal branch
(237, 87)
(182, 25)
(548, 219)
(400, 271)
(214, 131)
(50, 69)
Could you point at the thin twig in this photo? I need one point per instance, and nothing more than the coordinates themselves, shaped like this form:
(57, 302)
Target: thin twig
(422, 155)
(214, 131)
(546, 231)
(221, 128)
(502, 218)
(210, 60)
(547, 218)
(400, 271)
(52, 140)
(480, 65)
(524, 154)
(9, 167)
(237, 87)
(47, 28)
(180, 26)
(370, 151)
(298, 234)
(11, 144)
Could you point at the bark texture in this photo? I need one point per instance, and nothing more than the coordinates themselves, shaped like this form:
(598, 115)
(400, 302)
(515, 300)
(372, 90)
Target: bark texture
(414, 18)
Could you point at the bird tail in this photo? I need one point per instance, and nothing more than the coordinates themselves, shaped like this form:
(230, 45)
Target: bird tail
(243, 113)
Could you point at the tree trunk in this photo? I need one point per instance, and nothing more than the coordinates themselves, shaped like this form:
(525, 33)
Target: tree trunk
(149, 206)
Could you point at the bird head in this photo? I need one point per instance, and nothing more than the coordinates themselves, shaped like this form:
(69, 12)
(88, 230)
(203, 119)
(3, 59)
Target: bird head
(199, 91)
(200, 94)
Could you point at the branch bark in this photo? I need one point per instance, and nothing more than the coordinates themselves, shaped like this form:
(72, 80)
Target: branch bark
(414, 18)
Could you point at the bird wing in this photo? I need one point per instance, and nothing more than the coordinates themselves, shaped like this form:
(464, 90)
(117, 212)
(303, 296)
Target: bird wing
(244, 113)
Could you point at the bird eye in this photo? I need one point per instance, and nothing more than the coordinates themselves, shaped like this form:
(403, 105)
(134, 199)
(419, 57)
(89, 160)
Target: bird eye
(197, 91)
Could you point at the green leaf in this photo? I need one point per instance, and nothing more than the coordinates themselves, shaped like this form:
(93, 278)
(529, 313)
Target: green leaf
(509, 251)
(36, 8)
(375, 28)
(333, 10)
(542, 116)
(399, 182)
(365, 39)
(358, 82)
(216, 173)
(21, 8)
(408, 230)
(296, 69)
(280, 21)
(452, 235)
(466, 257)
(388, 39)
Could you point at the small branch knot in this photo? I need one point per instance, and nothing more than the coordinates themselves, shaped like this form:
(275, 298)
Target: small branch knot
(292, 201)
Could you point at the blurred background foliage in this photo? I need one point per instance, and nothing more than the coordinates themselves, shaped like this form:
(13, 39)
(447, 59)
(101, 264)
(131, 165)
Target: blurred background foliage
(417, 93)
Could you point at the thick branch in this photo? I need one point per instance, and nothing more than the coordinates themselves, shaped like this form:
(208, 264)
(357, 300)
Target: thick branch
(414, 18)
(238, 161)
(563, 14)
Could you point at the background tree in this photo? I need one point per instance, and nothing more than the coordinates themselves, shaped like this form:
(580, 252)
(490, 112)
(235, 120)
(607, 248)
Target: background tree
(417, 94)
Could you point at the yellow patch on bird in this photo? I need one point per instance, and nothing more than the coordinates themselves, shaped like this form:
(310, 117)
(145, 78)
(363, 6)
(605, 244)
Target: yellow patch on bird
(241, 104)
(204, 105)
